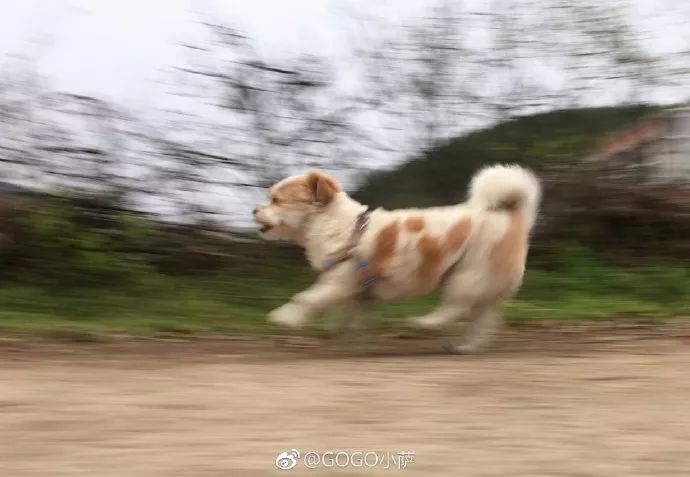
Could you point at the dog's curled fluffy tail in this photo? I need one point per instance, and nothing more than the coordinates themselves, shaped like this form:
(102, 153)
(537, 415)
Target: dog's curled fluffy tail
(510, 188)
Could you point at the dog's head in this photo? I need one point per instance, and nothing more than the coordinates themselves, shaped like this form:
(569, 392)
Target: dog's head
(292, 202)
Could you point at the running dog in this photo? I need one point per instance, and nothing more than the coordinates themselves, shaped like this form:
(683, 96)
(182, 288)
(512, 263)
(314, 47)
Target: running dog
(475, 250)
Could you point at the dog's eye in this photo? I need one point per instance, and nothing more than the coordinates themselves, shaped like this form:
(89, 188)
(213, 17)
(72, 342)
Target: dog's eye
(275, 200)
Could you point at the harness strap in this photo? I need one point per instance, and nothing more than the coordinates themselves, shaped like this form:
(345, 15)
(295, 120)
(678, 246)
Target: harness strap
(346, 253)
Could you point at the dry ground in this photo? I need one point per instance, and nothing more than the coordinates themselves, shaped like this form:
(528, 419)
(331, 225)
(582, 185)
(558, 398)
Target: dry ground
(573, 401)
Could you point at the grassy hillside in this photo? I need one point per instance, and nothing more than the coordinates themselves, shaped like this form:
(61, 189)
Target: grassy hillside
(441, 176)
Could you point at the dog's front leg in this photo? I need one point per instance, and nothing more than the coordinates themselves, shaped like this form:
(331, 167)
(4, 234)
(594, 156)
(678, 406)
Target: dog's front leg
(351, 317)
(326, 293)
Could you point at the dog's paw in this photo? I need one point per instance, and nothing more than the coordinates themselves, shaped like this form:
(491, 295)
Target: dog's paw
(467, 348)
(428, 322)
(290, 315)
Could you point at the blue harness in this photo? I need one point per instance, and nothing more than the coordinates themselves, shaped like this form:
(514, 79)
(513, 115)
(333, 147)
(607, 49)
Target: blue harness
(346, 254)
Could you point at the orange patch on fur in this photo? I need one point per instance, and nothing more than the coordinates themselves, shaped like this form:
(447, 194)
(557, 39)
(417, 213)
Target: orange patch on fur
(292, 193)
(431, 251)
(457, 235)
(509, 253)
(384, 249)
(415, 224)
(305, 191)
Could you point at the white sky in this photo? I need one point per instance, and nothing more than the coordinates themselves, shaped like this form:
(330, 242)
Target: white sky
(123, 50)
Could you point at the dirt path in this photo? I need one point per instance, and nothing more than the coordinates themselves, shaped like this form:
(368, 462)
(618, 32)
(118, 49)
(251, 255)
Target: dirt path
(554, 403)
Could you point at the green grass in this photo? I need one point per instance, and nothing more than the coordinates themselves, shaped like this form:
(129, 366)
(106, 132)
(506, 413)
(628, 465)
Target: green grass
(222, 304)
(580, 289)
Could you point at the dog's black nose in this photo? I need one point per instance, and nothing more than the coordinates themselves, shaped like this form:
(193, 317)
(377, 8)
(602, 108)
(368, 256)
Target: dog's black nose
(256, 209)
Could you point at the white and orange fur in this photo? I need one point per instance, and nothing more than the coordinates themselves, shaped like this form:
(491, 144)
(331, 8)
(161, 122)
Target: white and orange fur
(475, 250)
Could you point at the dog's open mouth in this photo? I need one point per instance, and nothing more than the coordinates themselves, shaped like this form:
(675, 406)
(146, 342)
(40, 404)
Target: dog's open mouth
(265, 228)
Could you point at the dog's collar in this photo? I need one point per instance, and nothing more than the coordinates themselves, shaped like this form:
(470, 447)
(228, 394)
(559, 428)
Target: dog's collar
(346, 253)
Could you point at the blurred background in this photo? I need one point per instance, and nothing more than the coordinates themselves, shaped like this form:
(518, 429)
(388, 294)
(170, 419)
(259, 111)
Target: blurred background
(136, 137)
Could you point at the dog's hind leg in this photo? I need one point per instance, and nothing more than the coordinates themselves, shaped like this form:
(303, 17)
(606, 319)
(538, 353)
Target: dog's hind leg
(458, 295)
(463, 292)
(479, 332)
(443, 315)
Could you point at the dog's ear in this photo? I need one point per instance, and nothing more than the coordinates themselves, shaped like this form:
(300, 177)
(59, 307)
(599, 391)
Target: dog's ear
(323, 187)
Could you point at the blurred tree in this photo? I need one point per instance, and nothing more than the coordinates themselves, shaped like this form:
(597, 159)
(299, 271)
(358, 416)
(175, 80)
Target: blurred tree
(275, 116)
(237, 121)
(52, 141)
(466, 65)
(599, 51)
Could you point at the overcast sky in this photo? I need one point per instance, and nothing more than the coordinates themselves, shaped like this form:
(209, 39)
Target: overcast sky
(123, 50)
